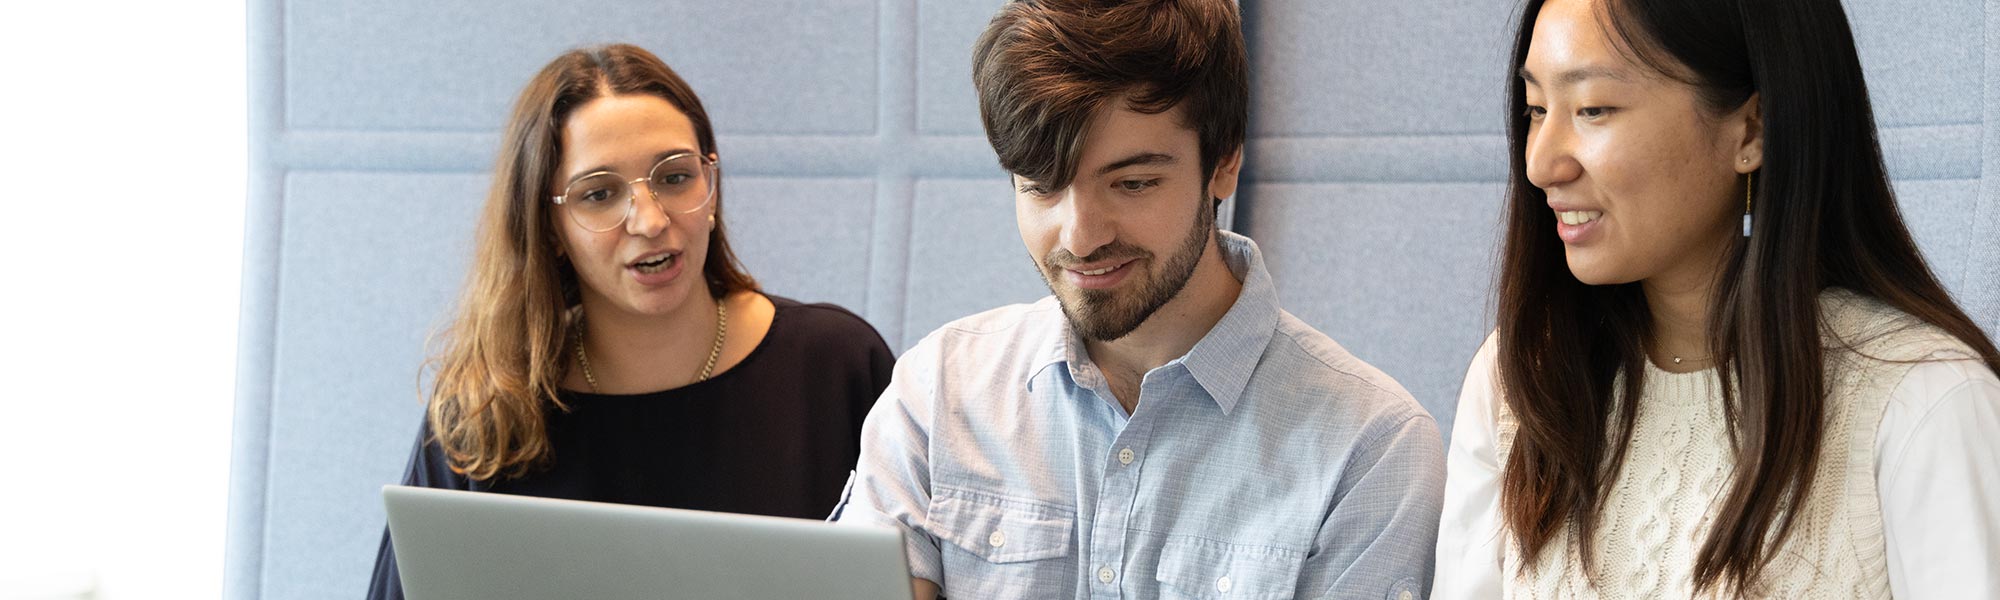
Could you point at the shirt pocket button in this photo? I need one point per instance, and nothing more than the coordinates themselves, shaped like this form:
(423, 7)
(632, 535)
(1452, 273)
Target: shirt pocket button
(1199, 568)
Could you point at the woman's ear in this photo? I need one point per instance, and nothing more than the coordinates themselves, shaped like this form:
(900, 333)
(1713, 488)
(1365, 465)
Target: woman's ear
(1749, 120)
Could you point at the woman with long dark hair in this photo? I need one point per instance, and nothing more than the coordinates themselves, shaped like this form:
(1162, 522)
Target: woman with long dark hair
(1721, 368)
(609, 347)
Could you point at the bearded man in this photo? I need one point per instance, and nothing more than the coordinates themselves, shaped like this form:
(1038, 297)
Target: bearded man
(1158, 426)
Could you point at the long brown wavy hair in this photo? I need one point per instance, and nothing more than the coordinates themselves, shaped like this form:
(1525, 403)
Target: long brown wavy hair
(505, 352)
(1825, 217)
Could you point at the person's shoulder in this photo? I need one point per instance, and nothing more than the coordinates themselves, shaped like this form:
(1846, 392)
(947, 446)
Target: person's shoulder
(1013, 324)
(821, 317)
(1488, 355)
(1313, 362)
(1859, 328)
(825, 334)
(1875, 351)
(1931, 384)
(1007, 343)
(1314, 356)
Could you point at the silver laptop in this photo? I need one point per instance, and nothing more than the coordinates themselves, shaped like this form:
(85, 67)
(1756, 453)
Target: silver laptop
(453, 544)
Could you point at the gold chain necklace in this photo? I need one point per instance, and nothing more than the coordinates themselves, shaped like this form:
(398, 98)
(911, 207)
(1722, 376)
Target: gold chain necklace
(714, 352)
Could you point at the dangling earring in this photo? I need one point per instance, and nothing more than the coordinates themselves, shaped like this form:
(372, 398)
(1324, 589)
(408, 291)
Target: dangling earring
(711, 221)
(1749, 183)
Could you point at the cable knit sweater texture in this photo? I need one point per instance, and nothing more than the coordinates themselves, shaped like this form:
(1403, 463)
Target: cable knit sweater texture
(1660, 508)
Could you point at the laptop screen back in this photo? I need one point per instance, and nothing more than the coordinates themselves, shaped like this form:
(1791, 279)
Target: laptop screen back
(453, 544)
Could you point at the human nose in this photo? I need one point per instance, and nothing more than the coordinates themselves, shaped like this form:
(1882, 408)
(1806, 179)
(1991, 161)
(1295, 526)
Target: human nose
(1087, 223)
(1550, 154)
(646, 217)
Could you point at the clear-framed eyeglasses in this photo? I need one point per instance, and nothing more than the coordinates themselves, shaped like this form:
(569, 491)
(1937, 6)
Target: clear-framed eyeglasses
(680, 184)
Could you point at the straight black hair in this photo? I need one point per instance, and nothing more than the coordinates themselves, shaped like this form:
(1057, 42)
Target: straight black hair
(1825, 217)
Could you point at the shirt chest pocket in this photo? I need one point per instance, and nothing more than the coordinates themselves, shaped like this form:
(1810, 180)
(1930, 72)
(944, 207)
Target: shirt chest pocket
(995, 547)
(1201, 568)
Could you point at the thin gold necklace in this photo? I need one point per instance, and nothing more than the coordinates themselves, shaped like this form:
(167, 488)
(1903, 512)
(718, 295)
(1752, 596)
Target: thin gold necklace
(714, 352)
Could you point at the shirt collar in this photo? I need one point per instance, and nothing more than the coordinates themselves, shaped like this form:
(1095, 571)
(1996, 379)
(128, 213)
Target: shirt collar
(1224, 358)
(1059, 344)
(1222, 361)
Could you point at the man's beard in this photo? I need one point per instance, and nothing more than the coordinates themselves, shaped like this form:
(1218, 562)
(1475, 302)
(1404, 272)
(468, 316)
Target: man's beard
(1106, 315)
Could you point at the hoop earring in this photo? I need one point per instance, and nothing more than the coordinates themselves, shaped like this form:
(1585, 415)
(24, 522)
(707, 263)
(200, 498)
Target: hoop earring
(1749, 183)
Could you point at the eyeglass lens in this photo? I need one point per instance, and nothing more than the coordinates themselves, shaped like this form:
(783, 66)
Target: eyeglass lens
(682, 183)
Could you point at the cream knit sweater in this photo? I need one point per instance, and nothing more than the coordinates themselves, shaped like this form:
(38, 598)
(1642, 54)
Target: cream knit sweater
(1658, 511)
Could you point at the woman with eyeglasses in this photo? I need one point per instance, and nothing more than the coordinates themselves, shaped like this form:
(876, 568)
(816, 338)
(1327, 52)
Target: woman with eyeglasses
(1722, 368)
(609, 347)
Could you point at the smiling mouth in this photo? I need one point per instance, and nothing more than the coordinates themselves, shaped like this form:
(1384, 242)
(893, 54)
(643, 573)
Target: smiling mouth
(1578, 217)
(655, 265)
(1095, 272)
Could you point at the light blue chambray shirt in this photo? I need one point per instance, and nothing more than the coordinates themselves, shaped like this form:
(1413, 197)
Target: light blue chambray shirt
(1266, 463)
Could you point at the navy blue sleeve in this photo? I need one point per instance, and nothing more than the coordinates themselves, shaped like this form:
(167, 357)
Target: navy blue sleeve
(428, 468)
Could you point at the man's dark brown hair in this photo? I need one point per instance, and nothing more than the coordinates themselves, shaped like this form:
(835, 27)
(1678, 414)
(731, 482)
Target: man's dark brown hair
(1044, 66)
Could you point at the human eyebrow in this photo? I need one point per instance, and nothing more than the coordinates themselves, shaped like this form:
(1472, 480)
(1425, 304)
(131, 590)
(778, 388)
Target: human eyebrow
(665, 154)
(1142, 158)
(1575, 76)
(606, 168)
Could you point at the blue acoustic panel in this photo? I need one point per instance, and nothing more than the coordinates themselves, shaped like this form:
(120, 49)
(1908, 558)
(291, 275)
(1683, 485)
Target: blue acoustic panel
(946, 101)
(369, 265)
(457, 64)
(1400, 274)
(1921, 59)
(1938, 213)
(1354, 67)
(1919, 152)
(1983, 276)
(805, 239)
(1931, 151)
(966, 254)
(1378, 158)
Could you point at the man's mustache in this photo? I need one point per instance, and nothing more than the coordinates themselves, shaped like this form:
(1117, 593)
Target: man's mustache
(1063, 259)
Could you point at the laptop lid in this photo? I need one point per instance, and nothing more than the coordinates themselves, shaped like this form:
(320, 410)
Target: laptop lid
(454, 544)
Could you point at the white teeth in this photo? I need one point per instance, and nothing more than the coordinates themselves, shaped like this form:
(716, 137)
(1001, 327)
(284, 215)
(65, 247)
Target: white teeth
(656, 265)
(1099, 271)
(1578, 217)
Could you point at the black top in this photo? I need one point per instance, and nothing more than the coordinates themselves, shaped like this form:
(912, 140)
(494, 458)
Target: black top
(775, 435)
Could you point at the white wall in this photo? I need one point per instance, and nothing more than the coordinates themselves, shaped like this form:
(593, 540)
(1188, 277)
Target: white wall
(121, 217)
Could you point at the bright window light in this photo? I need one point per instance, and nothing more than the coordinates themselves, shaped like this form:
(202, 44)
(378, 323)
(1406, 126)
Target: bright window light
(123, 168)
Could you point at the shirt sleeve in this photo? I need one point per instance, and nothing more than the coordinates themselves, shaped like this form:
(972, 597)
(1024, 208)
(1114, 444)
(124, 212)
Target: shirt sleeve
(1938, 474)
(428, 468)
(1470, 549)
(1377, 542)
(891, 485)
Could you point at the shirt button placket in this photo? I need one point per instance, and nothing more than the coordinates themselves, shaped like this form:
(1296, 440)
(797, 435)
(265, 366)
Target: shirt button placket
(1120, 488)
